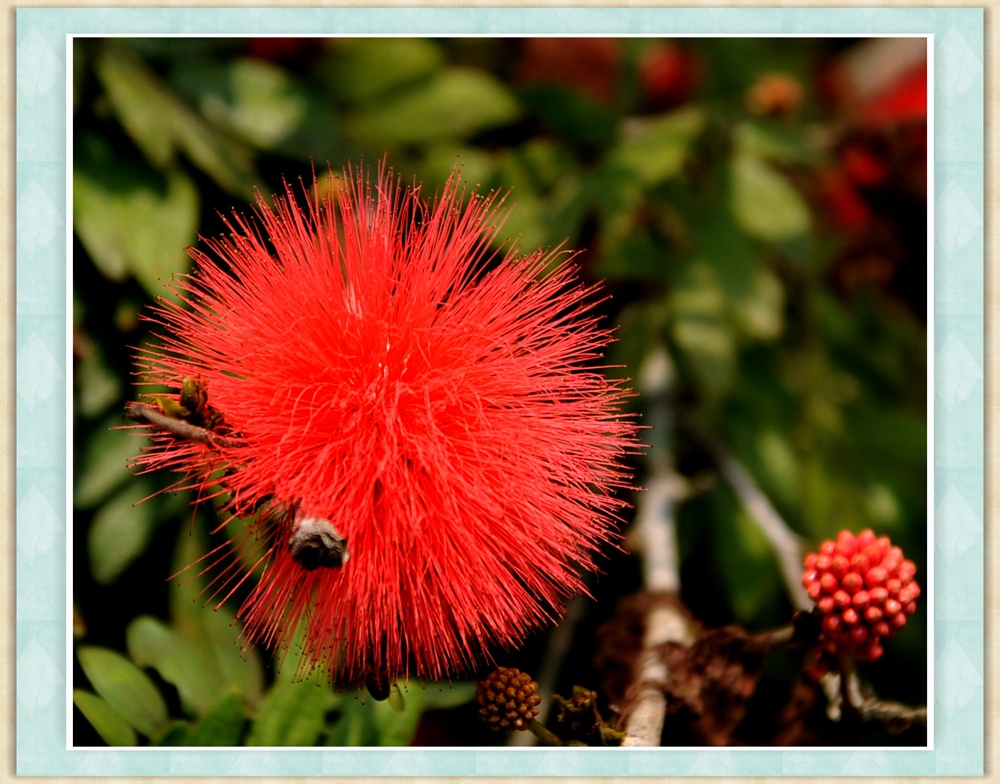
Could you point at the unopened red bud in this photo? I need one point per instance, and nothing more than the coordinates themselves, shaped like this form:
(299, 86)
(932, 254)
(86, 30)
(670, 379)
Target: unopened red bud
(808, 576)
(828, 549)
(873, 615)
(853, 582)
(873, 651)
(850, 616)
(832, 625)
(823, 563)
(860, 563)
(842, 599)
(814, 590)
(883, 544)
(810, 561)
(892, 585)
(897, 621)
(828, 583)
(881, 629)
(906, 594)
(873, 553)
(859, 634)
(907, 570)
(909, 608)
(878, 595)
(846, 543)
(839, 566)
(826, 605)
(875, 577)
(866, 538)
(860, 600)
(891, 607)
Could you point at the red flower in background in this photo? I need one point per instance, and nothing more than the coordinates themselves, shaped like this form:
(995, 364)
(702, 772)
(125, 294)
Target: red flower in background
(587, 64)
(418, 423)
(669, 74)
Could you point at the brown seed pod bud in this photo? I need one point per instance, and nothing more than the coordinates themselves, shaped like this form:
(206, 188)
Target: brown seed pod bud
(507, 700)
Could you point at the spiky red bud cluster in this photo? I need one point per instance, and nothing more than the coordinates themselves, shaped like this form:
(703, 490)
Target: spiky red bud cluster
(864, 591)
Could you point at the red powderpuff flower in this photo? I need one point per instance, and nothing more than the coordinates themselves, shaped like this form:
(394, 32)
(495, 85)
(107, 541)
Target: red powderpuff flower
(419, 423)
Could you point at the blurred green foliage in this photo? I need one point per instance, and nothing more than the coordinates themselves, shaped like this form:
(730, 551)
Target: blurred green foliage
(704, 217)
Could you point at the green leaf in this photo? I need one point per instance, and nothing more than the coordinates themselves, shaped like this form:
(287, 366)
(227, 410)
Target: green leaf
(103, 462)
(765, 204)
(213, 631)
(255, 100)
(775, 141)
(451, 695)
(570, 206)
(754, 293)
(453, 104)
(222, 725)
(634, 255)
(153, 644)
(397, 728)
(652, 152)
(747, 567)
(357, 725)
(293, 713)
(131, 219)
(365, 69)
(618, 195)
(655, 150)
(778, 464)
(124, 687)
(759, 309)
(112, 728)
(121, 529)
(367, 722)
(161, 125)
(571, 113)
(173, 734)
(701, 328)
(97, 387)
(476, 166)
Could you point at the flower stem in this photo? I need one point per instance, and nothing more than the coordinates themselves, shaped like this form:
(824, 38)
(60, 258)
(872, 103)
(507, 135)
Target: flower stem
(138, 412)
(544, 734)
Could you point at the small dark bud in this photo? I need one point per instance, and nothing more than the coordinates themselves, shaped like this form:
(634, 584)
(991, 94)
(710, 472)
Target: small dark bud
(315, 543)
(378, 686)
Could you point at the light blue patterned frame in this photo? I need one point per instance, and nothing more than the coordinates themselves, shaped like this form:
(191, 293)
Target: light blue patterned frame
(43, 375)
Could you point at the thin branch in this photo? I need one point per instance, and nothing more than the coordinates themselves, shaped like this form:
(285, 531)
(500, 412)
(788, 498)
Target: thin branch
(804, 630)
(655, 528)
(151, 415)
(895, 716)
(784, 540)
